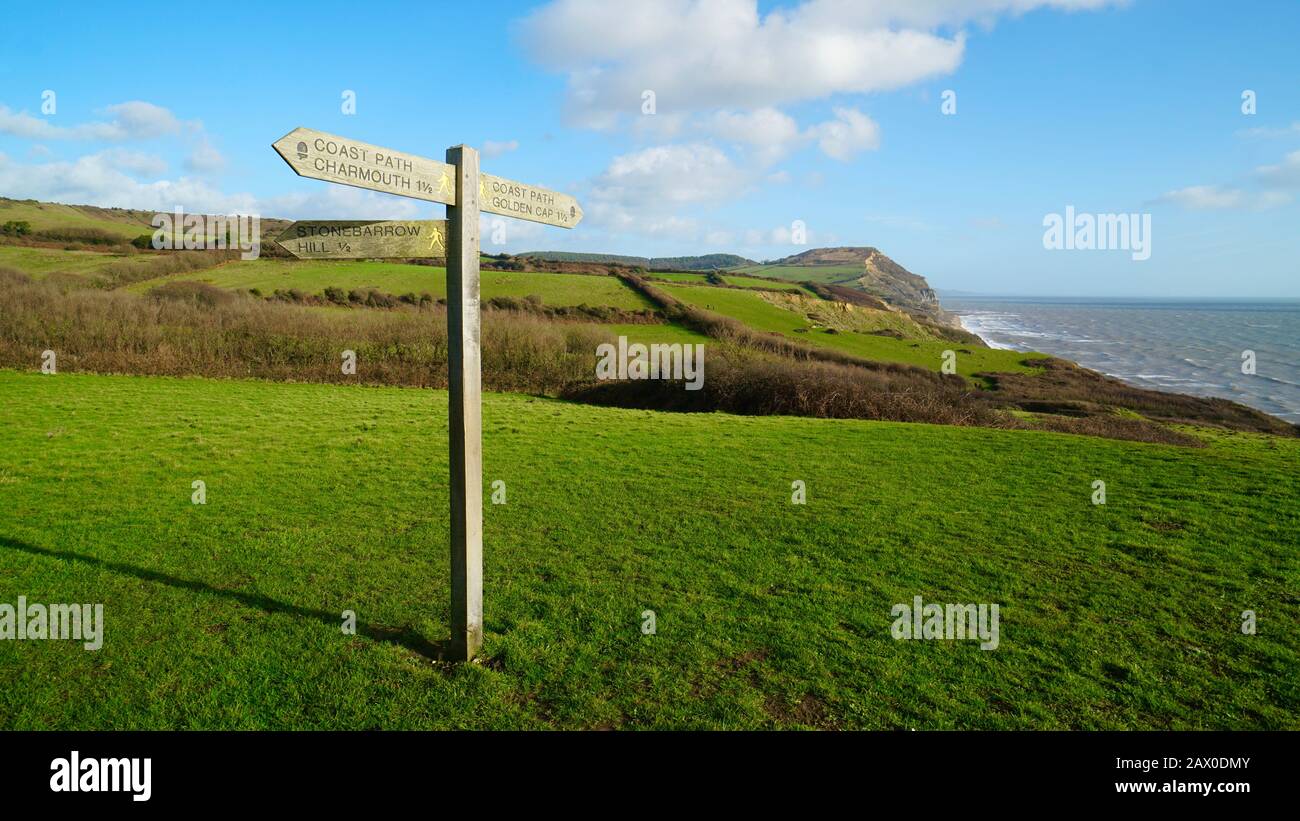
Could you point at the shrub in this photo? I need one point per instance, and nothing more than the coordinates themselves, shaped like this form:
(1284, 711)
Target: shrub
(198, 293)
(85, 236)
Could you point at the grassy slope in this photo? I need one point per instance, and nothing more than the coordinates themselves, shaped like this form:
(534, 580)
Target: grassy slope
(39, 262)
(398, 278)
(697, 279)
(756, 312)
(738, 281)
(327, 498)
(648, 334)
(750, 282)
(45, 215)
(802, 273)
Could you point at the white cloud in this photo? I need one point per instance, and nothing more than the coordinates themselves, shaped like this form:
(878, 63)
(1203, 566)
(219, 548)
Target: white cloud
(769, 135)
(331, 201)
(781, 240)
(670, 175)
(105, 179)
(493, 148)
(1285, 131)
(708, 54)
(1218, 197)
(1285, 174)
(850, 132)
(140, 120)
(645, 192)
(768, 132)
(135, 120)
(135, 162)
(205, 158)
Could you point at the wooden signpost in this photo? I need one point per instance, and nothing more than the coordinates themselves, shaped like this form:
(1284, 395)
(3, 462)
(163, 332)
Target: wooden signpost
(458, 184)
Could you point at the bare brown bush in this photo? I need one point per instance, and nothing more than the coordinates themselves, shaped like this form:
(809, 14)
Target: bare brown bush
(739, 381)
(116, 332)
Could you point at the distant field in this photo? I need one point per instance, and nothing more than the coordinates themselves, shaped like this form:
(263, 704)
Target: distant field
(46, 215)
(750, 282)
(756, 312)
(648, 334)
(267, 275)
(40, 262)
(801, 273)
(738, 281)
(698, 279)
(321, 499)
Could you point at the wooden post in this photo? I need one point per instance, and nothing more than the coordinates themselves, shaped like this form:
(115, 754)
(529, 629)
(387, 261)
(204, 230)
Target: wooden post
(466, 421)
(456, 183)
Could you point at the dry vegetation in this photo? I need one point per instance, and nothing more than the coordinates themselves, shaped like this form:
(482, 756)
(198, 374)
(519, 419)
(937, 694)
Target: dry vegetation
(189, 328)
(193, 329)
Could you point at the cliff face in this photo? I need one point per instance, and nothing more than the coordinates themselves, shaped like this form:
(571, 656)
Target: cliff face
(867, 269)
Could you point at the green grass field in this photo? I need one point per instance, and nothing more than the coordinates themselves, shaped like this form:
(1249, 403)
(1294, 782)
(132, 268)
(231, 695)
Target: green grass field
(750, 282)
(649, 334)
(803, 273)
(322, 499)
(758, 313)
(738, 281)
(40, 262)
(696, 279)
(267, 275)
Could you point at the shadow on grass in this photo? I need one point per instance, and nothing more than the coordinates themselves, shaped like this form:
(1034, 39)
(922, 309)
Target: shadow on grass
(404, 636)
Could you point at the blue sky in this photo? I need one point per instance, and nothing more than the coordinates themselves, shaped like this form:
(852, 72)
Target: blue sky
(827, 112)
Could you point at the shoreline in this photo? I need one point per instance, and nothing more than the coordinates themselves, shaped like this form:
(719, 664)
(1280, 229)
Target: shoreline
(1156, 346)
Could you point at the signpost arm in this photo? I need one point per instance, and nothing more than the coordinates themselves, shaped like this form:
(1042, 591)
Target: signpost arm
(466, 423)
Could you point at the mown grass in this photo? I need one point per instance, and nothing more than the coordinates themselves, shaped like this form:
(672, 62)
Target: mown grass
(758, 313)
(322, 499)
(312, 277)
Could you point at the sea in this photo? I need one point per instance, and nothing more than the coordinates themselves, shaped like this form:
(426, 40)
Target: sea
(1181, 345)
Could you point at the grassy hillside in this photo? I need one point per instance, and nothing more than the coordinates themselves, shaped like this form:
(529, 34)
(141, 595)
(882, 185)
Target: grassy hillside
(803, 273)
(313, 277)
(759, 313)
(39, 262)
(750, 282)
(322, 499)
(47, 215)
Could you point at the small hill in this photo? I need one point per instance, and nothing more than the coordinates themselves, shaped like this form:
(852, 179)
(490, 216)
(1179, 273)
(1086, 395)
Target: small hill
(53, 216)
(57, 222)
(864, 269)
